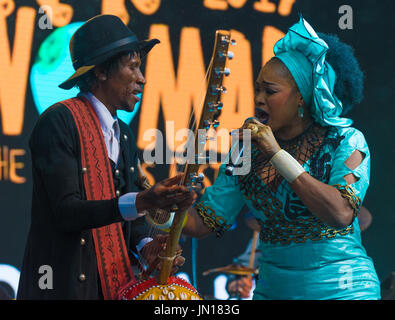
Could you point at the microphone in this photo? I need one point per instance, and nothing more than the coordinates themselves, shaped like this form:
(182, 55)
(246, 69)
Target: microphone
(237, 163)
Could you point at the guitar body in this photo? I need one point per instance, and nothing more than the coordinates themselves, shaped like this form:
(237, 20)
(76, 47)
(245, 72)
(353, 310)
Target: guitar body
(175, 289)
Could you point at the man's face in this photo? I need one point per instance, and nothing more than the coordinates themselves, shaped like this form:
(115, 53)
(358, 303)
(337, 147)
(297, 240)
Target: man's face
(124, 84)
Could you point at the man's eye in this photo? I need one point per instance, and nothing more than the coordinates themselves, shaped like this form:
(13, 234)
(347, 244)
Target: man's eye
(134, 66)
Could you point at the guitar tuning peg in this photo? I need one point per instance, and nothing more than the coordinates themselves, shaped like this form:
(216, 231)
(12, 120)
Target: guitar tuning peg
(225, 40)
(195, 179)
(207, 124)
(200, 177)
(225, 71)
(215, 90)
(212, 106)
(223, 55)
(233, 42)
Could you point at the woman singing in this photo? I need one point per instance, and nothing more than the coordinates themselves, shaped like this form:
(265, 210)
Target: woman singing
(309, 175)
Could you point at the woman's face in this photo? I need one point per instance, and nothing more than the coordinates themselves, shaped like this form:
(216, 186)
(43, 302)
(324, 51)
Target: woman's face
(277, 98)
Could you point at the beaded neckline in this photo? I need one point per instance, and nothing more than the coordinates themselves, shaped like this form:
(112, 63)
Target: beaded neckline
(301, 148)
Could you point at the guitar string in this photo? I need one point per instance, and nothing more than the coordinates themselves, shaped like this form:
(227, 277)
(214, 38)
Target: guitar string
(161, 219)
(191, 122)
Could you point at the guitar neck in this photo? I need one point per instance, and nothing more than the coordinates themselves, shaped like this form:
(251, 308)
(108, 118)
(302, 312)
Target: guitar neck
(210, 111)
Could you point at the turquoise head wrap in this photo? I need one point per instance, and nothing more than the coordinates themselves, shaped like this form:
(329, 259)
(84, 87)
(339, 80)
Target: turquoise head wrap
(303, 53)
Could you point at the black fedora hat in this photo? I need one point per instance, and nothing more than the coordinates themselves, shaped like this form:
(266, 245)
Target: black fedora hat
(99, 39)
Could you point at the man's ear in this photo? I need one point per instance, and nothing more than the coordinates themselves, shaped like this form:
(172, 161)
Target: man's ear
(100, 74)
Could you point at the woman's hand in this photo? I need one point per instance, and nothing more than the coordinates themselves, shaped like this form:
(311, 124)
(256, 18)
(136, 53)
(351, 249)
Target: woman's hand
(262, 136)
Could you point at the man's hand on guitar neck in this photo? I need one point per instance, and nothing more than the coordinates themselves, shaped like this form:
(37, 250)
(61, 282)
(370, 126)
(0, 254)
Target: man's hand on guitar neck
(165, 194)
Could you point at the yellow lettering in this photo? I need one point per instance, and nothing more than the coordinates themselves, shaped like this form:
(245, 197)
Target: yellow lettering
(61, 13)
(265, 6)
(216, 4)
(148, 174)
(4, 163)
(117, 8)
(237, 3)
(146, 7)
(16, 165)
(176, 95)
(14, 69)
(7, 7)
(269, 38)
(285, 7)
(9, 166)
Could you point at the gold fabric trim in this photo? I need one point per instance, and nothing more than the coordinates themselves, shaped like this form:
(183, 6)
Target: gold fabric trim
(348, 193)
(276, 228)
(215, 223)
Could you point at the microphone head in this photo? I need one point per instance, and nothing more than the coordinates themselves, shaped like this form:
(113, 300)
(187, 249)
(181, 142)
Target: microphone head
(251, 118)
(229, 170)
(255, 118)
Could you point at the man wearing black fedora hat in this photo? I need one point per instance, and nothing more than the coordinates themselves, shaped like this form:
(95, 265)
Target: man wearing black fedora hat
(88, 204)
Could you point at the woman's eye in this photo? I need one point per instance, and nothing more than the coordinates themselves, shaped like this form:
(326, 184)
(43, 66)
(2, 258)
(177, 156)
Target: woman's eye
(269, 91)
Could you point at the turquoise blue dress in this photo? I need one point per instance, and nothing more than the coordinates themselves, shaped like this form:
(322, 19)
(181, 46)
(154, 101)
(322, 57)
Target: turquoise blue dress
(301, 257)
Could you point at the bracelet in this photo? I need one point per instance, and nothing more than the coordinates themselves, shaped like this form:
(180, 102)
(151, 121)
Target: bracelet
(348, 193)
(286, 165)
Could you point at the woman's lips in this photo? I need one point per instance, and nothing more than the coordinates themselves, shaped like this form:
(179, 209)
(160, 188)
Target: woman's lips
(262, 115)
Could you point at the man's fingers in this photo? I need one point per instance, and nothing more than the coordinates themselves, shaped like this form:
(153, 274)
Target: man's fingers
(174, 270)
(161, 238)
(179, 261)
(172, 181)
(174, 191)
(176, 195)
(181, 201)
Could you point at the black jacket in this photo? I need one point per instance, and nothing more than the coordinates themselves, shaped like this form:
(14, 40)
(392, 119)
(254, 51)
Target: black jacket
(61, 218)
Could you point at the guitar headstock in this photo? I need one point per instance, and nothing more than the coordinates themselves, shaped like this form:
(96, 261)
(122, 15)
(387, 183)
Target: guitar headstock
(212, 105)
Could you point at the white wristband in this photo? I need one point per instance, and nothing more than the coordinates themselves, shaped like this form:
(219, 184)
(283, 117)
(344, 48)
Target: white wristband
(286, 165)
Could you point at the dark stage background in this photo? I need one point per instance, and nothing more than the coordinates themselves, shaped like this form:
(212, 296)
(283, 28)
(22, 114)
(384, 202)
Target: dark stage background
(29, 72)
